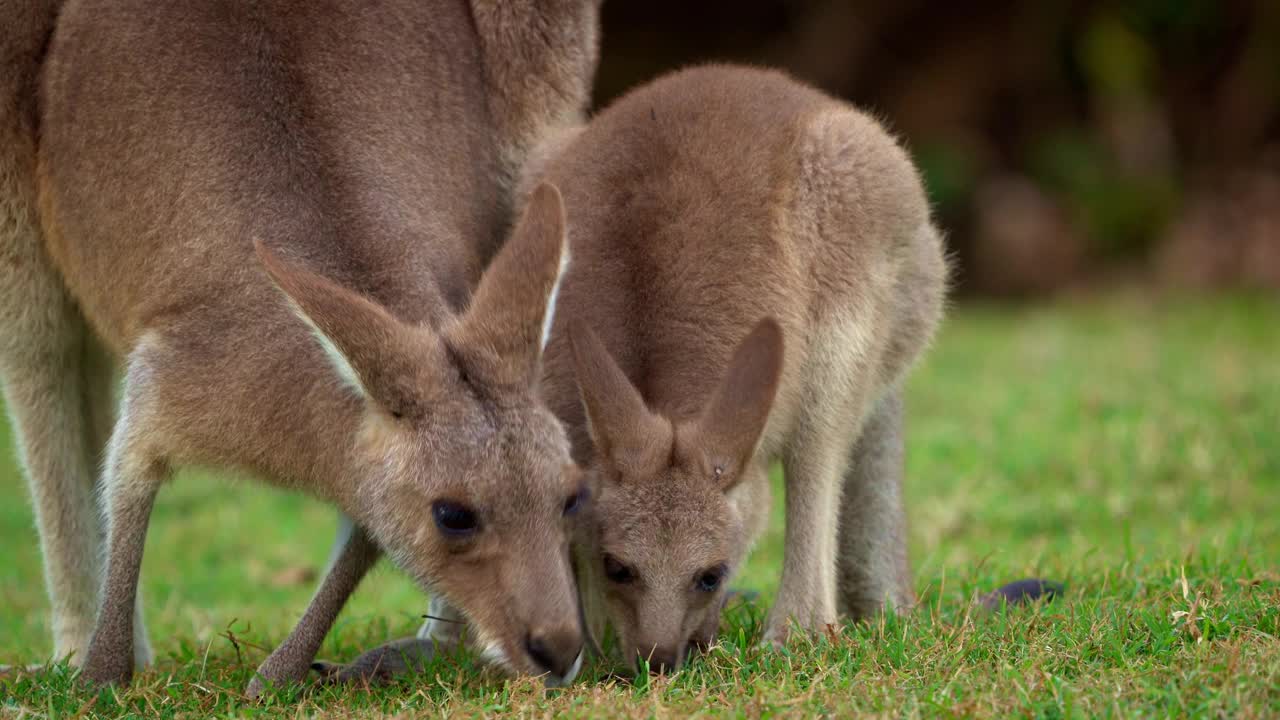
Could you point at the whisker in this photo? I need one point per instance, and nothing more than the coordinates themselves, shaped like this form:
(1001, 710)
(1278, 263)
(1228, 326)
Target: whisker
(429, 616)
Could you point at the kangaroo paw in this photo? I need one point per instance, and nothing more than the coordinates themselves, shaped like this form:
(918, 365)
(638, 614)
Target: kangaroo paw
(1021, 592)
(381, 664)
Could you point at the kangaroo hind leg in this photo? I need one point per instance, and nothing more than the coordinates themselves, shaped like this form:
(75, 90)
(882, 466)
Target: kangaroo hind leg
(872, 566)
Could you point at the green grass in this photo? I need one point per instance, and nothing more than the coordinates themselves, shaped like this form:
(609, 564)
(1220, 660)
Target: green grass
(1126, 446)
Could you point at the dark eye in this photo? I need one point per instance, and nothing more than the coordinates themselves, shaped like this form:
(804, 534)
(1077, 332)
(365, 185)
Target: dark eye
(617, 572)
(455, 520)
(576, 501)
(709, 580)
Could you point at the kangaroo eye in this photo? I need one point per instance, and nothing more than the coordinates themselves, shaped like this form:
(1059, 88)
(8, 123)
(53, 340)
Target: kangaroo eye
(617, 572)
(576, 501)
(455, 520)
(709, 580)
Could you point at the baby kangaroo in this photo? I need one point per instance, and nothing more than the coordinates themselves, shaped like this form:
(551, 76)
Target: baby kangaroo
(274, 217)
(755, 271)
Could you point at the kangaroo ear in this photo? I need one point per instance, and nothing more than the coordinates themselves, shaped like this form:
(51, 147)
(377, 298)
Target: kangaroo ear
(633, 439)
(511, 313)
(372, 352)
(724, 436)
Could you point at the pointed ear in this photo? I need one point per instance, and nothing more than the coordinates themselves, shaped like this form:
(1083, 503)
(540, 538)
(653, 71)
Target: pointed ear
(372, 352)
(633, 439)
(724, 436)
(511, 313)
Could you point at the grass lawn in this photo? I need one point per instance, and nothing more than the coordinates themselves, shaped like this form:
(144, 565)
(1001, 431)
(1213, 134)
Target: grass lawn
(1126, 446)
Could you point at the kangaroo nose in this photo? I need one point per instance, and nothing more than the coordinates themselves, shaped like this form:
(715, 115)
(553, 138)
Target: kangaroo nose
(555, 652)
(663, 660)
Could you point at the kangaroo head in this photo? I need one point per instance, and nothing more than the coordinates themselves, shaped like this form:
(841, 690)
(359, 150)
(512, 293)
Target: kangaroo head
(458, 469)
(663, 538)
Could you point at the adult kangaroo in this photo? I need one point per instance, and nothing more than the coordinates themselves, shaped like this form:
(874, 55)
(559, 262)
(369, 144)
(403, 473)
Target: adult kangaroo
(368, 151)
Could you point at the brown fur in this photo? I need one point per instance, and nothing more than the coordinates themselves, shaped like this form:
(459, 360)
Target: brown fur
(56, 378)
(755, 271)
(367, 148)
(698, 205)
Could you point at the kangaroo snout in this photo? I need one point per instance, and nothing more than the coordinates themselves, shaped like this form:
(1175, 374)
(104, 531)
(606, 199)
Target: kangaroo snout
(665, 659)
(558, 651)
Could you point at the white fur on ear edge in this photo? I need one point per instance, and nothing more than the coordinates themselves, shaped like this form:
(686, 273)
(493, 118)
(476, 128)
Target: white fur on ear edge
(341, 365)
(549, 315)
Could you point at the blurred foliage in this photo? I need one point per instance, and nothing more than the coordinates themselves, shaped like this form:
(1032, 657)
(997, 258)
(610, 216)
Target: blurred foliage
(1121, 211)
(1120, 123)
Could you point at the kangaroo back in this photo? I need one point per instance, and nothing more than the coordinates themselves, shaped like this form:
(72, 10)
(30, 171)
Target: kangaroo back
(359, 136)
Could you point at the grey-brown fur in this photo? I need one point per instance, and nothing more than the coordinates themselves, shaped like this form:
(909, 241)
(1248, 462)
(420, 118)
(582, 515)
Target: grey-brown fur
(356, 557)
(53, 373)
(369, 147)
(872, 562)
(398, 657)
(698, 205)
(755, 271)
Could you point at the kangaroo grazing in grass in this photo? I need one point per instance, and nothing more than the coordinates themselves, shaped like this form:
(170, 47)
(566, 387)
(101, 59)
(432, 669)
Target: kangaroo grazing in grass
(369, 152)
(754, 273)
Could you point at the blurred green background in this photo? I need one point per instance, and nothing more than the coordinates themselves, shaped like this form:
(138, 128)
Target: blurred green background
(1064, 144)
(1106, 441)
